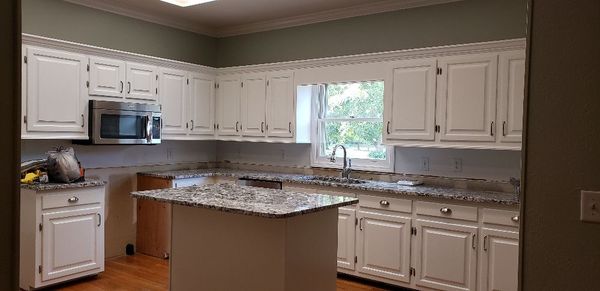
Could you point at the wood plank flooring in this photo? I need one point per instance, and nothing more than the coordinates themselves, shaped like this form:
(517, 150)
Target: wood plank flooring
(141, 272)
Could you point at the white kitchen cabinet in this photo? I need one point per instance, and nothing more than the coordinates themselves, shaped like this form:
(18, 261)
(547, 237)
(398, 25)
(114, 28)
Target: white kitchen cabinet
(410, 102)
(62, 235)
(56, 98)
(446, 255)
(173, 99)
(467, 97)
(498, 260)
(511, 88)
(229, 91)
(346, 238)
(142, 82)
(383, 245)
(253, 105)
(107, 77)
(280, 104)
(201, 105)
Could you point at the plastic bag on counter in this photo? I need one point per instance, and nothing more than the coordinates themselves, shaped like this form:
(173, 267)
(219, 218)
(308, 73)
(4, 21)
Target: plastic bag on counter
(63, 166)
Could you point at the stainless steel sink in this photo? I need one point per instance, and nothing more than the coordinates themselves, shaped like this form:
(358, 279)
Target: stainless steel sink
(337, 180)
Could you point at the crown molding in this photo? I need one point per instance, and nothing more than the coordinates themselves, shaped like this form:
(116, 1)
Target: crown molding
(374, 7)
(328, 15)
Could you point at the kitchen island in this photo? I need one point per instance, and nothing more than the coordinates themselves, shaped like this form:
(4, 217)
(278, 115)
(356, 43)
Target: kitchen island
(230, 237)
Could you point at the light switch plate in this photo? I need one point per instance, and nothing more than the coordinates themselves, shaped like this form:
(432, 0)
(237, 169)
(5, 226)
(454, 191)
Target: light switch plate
(590, 206)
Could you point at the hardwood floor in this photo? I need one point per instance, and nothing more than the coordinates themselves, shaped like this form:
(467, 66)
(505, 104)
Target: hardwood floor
(147, 273)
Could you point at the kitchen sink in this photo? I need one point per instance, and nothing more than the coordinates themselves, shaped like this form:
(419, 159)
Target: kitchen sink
(337, 180)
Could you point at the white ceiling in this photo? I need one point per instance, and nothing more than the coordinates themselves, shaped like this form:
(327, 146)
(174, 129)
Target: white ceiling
(233, 17)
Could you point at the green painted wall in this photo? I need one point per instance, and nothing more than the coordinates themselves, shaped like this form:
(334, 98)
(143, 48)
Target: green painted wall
(63, 20)
(451, 23)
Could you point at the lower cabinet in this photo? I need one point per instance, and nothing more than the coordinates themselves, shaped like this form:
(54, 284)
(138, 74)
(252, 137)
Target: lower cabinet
(62, 235)
(383, 244)
(346, 237)
(446, 255)
(498, 260)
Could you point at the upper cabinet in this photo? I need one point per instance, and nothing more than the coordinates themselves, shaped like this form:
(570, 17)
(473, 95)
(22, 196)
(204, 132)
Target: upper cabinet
(253, 105)
(173, 98)
(511, 92)
(280, 104)
(201, 109)
(107, 77)
(142, 82)
(56, 94)
(229, 92)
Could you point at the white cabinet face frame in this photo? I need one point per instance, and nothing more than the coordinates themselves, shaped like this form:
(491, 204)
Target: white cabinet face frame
(410, 100)
(229, 91)
(498, 260)
(383, 245)
(281, 111)
(72, 242)
(253, 105)
(107, 77)
(346, 238)
(201, 110)
(445, 255)
(467, 97)
(511, 91)
(56, 92)
(142, 82)
(173, 98)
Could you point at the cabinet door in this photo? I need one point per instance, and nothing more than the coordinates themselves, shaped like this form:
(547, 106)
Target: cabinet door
(72, 242)
(142, 82)
(346, 238)
(202, 105)
(445, 255)
(229, 92)
(411, 108)
(173, 97)
(467, 97)
(107, 77)
(253, 105)
(384, 245)
(280, 105)
(512, 92)
(499, 260)
(56, 92)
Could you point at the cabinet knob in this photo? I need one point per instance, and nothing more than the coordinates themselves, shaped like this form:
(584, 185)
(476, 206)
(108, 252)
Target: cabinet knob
(384, 203)
(73, 199)
(515, 218)
(446, 210)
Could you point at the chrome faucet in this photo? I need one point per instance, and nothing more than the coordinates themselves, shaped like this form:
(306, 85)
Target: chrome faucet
(347, 162)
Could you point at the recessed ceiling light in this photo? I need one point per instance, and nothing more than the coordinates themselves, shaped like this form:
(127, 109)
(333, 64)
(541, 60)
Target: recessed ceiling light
(186, 3)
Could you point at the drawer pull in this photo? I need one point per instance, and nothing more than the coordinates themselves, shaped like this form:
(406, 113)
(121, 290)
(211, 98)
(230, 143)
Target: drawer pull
(515, 218)
(446, 210)
(384, 203)
(73, 199)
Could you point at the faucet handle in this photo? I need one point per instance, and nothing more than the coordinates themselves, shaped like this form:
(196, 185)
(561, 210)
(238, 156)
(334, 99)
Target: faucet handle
(332, 158)
(349, 163)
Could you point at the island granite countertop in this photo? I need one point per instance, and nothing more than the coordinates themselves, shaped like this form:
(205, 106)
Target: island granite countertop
(270, 203)
(388, 188)
(59, 186)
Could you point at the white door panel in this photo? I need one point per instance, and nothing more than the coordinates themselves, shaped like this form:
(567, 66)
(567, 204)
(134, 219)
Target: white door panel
(142, 82)
(202, 104)
(107, 77)
(346, 238)
(229, 92)
(253, 105)
(173, 97)
(499, 260)
(280, 105)
(511, 95)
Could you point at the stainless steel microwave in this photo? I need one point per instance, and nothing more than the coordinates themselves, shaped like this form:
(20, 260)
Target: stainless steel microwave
(124, 123)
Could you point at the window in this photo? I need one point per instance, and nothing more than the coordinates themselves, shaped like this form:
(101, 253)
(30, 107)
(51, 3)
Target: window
(351, 114)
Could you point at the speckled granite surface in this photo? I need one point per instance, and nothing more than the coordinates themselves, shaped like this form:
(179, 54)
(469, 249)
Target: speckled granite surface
(58, 186)
(374, 186)
(271, 203)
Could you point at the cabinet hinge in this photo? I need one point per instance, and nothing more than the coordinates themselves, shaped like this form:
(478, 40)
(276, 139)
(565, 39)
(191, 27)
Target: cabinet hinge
(88, 67)
(25, 119)
(355, 259)
(355, 221)
(188, 81)
(242, 84)
(156, 77)
(439, 71)
(87, 84)
(25, 59)
(40, 226)
(156, 91)
(40, 269)
(412, 271)
(413, 230)
(267, 83)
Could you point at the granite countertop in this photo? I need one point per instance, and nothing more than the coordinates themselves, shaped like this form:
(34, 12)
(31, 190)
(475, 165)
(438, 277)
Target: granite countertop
(270, 203)
(58, 186)
(368, 185)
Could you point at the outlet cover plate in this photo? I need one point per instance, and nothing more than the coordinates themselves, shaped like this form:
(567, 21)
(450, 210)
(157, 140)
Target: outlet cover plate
(590, 206)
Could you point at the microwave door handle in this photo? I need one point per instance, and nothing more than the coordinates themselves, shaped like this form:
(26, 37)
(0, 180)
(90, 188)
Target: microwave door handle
(149, 129)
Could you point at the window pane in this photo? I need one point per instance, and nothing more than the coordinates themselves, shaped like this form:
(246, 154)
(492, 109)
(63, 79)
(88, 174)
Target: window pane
(348, 100)
(362, 139)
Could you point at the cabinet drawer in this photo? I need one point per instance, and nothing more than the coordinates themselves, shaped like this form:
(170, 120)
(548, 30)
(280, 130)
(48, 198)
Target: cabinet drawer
(72, 197)
(446, 210)
(500, 217)
(385, 203)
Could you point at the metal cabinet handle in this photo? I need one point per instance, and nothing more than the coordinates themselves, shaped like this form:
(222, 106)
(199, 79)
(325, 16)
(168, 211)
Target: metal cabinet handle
(485, 238)
(290, 127)
(122, 85)
(360, 227)
(99, 219)
(492, 129)
(384, 203)
(473, 242)
(446, 210)
(503, 128)
(262, 126)
(236, 126)
(388, 127)
(192, 122)
(515, 218)
(187, 125)
(82, 121)
(73, 199)
(128, 87)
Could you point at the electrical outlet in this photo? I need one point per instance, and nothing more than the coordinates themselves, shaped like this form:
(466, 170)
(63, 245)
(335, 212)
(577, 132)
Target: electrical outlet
(457, 165)
(590, 206)
(169, 154)
(425, 164)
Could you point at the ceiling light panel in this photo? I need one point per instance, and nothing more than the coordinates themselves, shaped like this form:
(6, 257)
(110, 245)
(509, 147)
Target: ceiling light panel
(186, 3)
